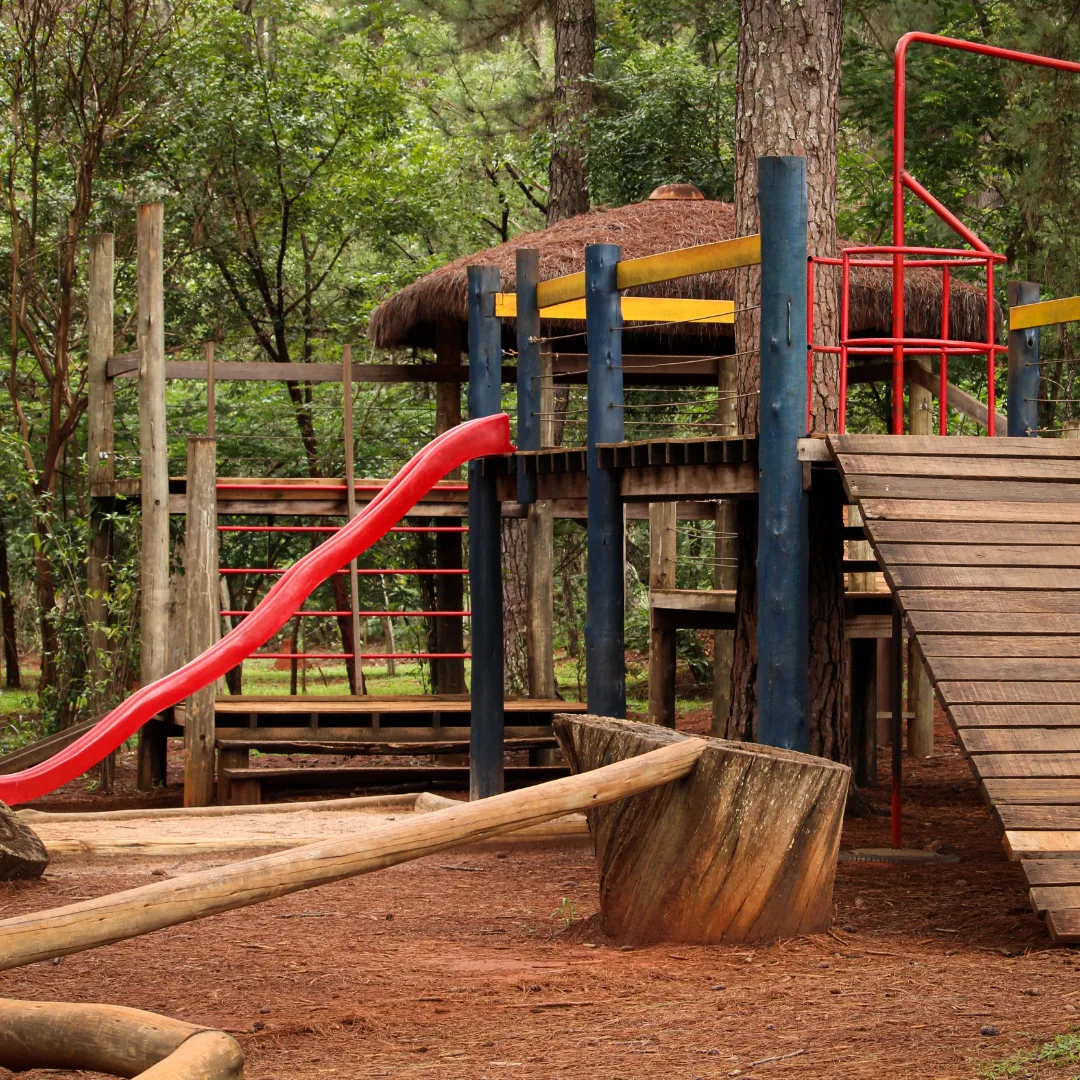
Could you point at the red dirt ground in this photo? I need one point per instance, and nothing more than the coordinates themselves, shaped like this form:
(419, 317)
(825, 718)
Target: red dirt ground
(462, 965)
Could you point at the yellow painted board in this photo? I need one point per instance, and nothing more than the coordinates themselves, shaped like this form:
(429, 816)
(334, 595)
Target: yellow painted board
(634, 309)
(1044, 313)
(684, 262)
(561, 289)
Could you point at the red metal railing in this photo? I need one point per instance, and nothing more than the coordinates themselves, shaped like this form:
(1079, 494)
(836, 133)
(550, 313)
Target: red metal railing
(337, 528)
(363, 656)
(364, 571)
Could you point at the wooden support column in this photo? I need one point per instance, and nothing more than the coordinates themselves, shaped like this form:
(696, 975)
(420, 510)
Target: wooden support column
(100, 469)
(539, 524)
(154, 472)
(896, 694)
(726, 549)
(605, 646)
(350, 503)
(920, 726)
(863, 705)
(1070, 429)
(485, 557)
(449, 588)
(662, 561)
(1022, 403)
(783, 522)
(202, 619)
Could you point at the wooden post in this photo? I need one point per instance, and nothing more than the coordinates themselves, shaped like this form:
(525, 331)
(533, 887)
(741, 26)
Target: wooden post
(539, 525)
(485, 557)
(1022, 402)
(896, 691)
(350, 503)
(662, 561)
(1070, 429)
(863, 705)
(100, 468)
(211, 390)
(783, 523)
(605, 648)
(201, 579)
(726, 549)
(449, 588)
(920, 726)
(154, 470)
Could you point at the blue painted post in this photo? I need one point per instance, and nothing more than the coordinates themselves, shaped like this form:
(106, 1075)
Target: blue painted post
(528, 366)
(485, 561)
(1023, 406)
(605, 648)
(783, 522)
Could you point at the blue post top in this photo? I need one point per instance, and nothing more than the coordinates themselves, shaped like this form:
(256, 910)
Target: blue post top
(529, 386)
(603, 327)
(485, 343)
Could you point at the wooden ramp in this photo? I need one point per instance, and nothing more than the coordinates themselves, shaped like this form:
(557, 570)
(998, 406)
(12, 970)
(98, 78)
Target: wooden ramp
(980, 541)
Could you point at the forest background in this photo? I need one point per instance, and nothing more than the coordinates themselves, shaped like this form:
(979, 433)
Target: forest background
(314, 158)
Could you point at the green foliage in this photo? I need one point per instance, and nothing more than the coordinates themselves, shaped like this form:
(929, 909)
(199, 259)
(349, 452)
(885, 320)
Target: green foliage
(1063, 1050)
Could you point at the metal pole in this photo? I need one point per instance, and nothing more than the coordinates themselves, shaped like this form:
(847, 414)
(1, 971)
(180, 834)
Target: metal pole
(783, 522)
(485, 561)
(1023, 393)
(605, 649)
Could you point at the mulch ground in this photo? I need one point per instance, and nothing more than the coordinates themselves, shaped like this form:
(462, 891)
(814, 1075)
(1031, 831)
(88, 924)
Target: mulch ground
(487, 962)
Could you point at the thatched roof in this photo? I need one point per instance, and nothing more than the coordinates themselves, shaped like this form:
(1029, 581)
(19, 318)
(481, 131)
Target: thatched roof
(409, 317)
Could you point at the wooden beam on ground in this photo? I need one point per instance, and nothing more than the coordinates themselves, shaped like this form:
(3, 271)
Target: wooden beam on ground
(87, 924)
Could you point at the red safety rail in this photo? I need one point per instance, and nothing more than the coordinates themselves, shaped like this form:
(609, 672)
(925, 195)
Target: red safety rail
(363, 656)
(337, 528)
(487, 436)
(900, 256)
(325, 487)
(362, 571)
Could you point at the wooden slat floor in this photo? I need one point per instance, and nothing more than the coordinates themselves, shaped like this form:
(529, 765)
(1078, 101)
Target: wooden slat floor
(979, 539)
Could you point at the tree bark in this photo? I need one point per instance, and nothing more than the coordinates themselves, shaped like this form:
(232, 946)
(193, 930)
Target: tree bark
(575, 46)
(787, 103)
(12, 678)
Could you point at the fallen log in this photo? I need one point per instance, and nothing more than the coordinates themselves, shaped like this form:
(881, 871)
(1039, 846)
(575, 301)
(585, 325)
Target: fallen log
(744, 849)
(26, 939)
(113, 1039)
(22, 855)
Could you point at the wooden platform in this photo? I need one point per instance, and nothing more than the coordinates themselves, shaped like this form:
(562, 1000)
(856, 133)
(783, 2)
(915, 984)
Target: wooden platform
(980, 541)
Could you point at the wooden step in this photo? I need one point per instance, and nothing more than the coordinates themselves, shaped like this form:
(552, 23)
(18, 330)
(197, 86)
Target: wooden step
(356, 748)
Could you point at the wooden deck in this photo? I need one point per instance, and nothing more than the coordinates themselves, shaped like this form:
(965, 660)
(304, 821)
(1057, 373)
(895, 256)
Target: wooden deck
(980, 541)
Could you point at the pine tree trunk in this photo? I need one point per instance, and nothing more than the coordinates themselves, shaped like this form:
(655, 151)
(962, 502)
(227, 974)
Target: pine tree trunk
(575, 46)
(12, 678)
(787, 103)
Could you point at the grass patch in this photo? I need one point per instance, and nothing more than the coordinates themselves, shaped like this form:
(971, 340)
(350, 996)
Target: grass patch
(1042, 1061)
(20, 720)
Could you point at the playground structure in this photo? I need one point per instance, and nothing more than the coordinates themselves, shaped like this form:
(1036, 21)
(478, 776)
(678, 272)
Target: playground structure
(978, 540)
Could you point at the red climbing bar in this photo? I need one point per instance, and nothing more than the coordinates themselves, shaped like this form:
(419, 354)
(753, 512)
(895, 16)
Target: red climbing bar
(943, 373)
(810, 348)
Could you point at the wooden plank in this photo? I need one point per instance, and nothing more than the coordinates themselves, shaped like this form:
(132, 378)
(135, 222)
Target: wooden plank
(387, 706)
(653, 483)
(977, 577)
(300, 734)
(1002, 645)
(1039, 818)
(952, 446)
(717, 600)
(997, 669)
(893, 486)
(1044, 313)
(935, 625)
(1046, 898)
(1051, 871)
(1033, 843)
(634, 309)
(919, 508)
(1024, 766)
(354, 747)
(686, 262)
(1033, 792)
(1060, 470)
(1022, 555)
(1014, 716)
(990, 601)
(1008, 693)
(348, 776)
(972, 532)
(1064, 926)
(1027, 740)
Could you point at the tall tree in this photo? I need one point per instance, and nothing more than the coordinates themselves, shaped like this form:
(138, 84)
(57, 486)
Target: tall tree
(787, 102)
(575, 48)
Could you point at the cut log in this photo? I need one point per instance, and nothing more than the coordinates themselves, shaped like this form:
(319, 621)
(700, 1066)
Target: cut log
(22, 854)
(744, 848)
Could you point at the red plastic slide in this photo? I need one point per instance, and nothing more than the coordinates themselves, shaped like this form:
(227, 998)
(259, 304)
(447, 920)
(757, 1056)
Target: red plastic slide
(477, 438)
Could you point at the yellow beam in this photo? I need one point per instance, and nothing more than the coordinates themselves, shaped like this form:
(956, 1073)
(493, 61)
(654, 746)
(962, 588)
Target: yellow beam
(1044, 313)
(634, 309)
(703, 259)
(668, 265)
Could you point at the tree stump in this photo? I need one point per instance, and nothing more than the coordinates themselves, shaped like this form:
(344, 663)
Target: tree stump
(743, 849)
(22, 854)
